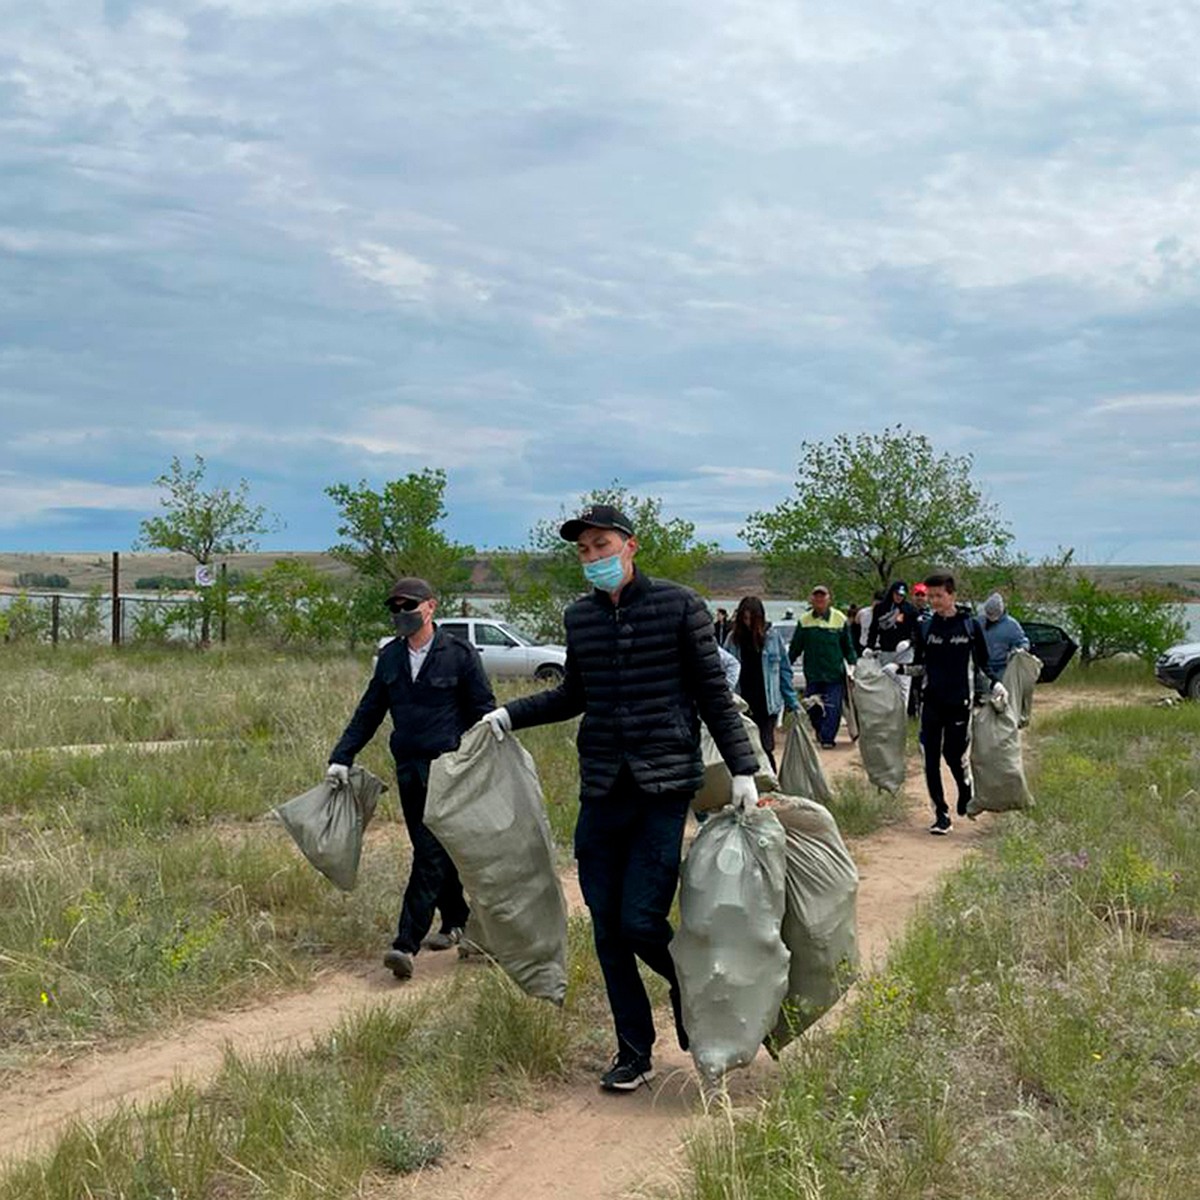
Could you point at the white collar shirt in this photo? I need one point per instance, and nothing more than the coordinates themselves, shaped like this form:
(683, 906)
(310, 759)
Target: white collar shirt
(416, 658)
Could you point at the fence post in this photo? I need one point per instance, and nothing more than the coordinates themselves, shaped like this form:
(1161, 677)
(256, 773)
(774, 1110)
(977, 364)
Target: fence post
(55, 602)
(116, 598)
(224, 598)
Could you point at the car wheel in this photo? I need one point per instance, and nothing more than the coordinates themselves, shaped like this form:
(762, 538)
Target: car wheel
(1192, 689)
(549, 673)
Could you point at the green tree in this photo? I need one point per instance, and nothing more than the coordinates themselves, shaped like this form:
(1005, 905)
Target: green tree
(872, 507)
(396, 532)
(204, 524)
(292, 602)
(1107, 622)
(542, 579)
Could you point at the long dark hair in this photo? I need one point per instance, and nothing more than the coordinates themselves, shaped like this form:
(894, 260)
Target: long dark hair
(752, 634)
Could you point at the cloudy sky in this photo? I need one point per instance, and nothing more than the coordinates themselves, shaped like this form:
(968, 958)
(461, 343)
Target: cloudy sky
(546, 243)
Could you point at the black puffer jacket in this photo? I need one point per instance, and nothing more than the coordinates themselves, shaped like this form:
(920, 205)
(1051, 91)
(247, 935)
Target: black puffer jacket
(430, 713)
(642, 675)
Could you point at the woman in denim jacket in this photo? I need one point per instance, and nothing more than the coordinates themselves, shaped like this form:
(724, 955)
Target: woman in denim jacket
(765, 682)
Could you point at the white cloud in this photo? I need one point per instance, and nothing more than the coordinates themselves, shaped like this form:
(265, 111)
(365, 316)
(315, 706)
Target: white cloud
(24, 501)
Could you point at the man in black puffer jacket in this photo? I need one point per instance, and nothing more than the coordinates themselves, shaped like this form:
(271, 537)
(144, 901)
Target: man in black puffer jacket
(642, 667)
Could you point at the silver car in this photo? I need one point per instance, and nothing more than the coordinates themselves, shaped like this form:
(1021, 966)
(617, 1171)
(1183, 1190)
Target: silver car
(507, 653)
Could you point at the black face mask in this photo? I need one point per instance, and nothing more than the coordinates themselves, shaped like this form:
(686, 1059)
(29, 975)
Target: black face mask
(408, 623)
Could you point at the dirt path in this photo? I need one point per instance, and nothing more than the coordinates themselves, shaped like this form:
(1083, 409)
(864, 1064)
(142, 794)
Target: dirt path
(604, 1145)
(588, 1145)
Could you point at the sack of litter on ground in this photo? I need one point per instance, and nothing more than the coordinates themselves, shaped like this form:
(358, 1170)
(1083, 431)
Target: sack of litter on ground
(484, 805)
(820, 915)
(717, 788)
(729, 956)
(327, 823)
(800, 772)
(997, 770)
(882, 724)
(1020, 676)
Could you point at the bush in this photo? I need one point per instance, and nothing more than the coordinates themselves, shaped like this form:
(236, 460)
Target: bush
(36, 579)
(1107, 623)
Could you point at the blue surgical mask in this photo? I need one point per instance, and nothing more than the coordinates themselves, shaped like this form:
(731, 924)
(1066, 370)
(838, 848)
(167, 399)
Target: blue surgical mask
(605, 573)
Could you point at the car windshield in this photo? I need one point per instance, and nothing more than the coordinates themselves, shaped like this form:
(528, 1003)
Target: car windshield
(519, 634)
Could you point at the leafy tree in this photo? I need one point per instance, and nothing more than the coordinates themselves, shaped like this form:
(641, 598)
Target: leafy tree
(203, 524)
(395, 532)
(543, 579)
(869, 508)
(1106, 622)
(292, 602)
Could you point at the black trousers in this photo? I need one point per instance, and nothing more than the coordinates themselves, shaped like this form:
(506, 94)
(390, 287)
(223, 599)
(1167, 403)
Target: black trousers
(946, 732)
(433, 881)
(628, 846)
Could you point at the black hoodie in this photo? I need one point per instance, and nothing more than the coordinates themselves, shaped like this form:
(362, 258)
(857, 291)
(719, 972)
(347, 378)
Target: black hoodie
(892, 623)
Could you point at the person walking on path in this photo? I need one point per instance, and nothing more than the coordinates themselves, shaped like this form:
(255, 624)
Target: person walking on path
(643, 669)
(723, 625)
(765, 681)
(1003, 634)
(949, 648)
(822, 640)
(893, 627)
(435, 687)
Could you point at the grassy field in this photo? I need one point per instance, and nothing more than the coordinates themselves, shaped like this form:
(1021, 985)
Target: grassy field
(1039, 1022)
(1037, 1031)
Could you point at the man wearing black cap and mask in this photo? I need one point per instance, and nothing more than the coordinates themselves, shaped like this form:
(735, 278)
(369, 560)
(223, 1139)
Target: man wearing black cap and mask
(642, 667)
(435, 687)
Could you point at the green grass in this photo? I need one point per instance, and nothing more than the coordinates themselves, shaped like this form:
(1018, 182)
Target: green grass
(1037, 1031)
(382, 1095)
(139, 887)
(861, 808)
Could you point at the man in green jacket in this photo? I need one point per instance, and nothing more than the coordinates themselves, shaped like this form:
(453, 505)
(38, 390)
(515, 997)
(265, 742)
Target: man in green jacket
(822, 639)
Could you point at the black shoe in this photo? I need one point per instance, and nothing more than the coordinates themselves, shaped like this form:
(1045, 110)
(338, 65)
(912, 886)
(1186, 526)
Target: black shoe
(677, 1010)
(829, 745)
(400, 963)
(941, 826)
(961, 806)
(628, 1074)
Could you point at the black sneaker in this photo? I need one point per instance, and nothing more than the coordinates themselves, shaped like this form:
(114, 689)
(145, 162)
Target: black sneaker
(627, 1075)
(961, 806)
(941, 826)
(400, 963)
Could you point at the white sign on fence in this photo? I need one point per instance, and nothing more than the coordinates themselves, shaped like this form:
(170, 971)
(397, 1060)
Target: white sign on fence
(206, 576)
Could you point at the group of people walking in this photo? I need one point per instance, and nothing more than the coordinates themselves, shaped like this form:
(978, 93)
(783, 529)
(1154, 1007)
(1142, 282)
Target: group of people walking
(643, 667)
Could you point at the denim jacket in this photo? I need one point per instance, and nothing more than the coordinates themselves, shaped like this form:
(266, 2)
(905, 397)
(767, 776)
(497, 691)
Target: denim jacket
(777, 671)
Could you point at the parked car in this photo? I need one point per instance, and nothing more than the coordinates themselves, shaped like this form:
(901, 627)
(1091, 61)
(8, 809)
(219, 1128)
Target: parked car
(1053, 645)
(1179, 668)
(507, 653)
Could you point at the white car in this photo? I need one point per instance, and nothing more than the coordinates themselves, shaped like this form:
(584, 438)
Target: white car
(507, 653)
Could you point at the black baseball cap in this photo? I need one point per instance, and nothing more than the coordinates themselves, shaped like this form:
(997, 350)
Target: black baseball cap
(410, 588)
(596, 516)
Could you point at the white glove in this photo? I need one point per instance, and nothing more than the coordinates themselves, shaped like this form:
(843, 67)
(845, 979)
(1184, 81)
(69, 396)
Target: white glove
(869, 653)
(892, 669)
(902, 646)
(338, 774)
(999, 696)
(745, 792)
(849, 670)
(499, 722)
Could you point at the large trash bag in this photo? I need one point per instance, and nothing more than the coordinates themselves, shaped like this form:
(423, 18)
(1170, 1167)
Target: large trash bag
(327, 823)
(819, 920)
(882, 723)
(997, 770)
(800, 772)
(484, 805)
(729, 956)
(717, 787)
(1020, 676)
(850, 710)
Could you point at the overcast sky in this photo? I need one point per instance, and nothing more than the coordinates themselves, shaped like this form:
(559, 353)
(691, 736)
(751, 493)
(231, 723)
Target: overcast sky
(545, 243)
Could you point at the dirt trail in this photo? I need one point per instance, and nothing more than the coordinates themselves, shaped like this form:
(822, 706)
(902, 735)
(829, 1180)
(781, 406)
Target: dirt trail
(588, 1145)
(604, 1145)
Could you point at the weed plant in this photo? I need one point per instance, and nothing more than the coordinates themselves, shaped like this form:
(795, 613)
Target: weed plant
(1037, 1031)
